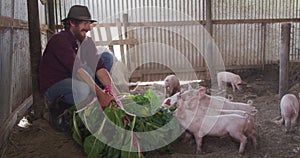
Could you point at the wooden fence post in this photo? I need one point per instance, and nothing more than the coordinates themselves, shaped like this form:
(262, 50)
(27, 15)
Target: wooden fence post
(51, 21)
(35, 55)
(284, 60)
(209, 46)
(263, 49)
(125, 22)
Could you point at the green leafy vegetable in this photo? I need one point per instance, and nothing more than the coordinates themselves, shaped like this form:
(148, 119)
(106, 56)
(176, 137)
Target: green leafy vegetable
(142, 114)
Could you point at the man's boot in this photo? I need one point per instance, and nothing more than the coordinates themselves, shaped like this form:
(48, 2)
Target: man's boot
(57, 115)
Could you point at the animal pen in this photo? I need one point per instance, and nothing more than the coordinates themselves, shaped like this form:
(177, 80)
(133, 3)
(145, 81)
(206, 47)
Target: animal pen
(151, 39)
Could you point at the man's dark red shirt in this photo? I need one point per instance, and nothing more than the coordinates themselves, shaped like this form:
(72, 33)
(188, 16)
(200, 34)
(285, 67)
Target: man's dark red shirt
(58, 60)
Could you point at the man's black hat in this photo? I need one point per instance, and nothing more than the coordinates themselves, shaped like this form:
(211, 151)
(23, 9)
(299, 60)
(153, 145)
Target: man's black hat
(79, 12)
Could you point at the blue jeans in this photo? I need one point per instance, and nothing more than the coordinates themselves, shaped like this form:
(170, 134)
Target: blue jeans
(74, 91)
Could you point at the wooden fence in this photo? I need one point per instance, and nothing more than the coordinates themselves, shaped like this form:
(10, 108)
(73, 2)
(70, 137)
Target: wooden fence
(249, 54)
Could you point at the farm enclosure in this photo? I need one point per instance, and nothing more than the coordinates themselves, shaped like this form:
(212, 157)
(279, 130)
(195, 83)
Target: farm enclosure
(246, 33)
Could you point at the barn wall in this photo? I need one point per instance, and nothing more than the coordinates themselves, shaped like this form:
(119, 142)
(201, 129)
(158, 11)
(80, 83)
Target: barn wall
(246, 33)
(15, 81)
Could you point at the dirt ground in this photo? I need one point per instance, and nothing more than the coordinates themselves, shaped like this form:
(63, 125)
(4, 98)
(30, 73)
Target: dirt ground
(40, 140)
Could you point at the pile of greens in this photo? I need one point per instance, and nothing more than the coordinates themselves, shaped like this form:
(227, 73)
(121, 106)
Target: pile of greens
(141, 113)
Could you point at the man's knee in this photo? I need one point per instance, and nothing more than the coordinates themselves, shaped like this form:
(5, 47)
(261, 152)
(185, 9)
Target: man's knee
(81, 92)
(107, 59)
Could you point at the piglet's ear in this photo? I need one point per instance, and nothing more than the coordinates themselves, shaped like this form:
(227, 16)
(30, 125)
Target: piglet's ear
(202, 91)
(168, 102)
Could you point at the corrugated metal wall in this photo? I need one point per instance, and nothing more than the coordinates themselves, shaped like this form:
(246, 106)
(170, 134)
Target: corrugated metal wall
(15, 80)
(247, 33)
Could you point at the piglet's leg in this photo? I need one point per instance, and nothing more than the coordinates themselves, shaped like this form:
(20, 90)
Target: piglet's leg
(186, 137)
(242, 138)
(199, 143)
(294, 121)
(287, 124)
(233, 86)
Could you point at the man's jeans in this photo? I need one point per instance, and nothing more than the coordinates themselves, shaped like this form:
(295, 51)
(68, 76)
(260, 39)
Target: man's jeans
(74, 91)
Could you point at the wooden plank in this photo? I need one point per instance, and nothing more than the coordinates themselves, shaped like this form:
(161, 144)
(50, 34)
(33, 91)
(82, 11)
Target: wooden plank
(13, 118)
(117, 42)
(99, 33)
(109, 37)
(119, 26)
(140, 72)
(125, 22)
(92, 33)
(108, 33)
(6, 60)
(13, 23)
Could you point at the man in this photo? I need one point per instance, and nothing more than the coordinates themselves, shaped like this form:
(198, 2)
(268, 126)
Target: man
(69, 77)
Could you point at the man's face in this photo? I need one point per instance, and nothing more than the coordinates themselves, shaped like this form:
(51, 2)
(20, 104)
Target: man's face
(81, 29)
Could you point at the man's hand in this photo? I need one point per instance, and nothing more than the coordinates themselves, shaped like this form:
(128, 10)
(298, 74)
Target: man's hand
(104, 98)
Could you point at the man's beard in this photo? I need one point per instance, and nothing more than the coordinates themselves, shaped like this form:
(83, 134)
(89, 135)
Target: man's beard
(78, 35)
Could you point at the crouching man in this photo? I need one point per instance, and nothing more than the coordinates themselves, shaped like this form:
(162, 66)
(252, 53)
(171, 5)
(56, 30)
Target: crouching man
(67, 77)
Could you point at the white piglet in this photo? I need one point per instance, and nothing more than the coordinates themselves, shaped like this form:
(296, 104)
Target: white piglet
(229, 77)
(172, 85)
(233, 125)
(289, 107)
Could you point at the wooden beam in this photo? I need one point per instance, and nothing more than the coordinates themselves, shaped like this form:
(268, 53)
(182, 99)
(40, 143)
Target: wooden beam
(13, 23)
(138, 72)
(51, 17)
(109, 37)
(35, 55)
(116, 42)
(119, 26)
(13, 118)
(284, 60)
(164, 71)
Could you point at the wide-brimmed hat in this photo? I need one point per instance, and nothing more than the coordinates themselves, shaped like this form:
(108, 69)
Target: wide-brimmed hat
(79, 12)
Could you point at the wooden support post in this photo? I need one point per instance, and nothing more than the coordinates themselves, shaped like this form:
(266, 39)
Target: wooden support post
(208, 21)
(209, 47)
(35, 55)
(284, 60)
(51, 22)
(263, 49)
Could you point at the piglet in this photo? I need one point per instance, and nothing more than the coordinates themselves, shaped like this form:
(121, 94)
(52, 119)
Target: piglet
(289, 107)
(220, 103)
(172, 85)
(220, 125)
(229, 77)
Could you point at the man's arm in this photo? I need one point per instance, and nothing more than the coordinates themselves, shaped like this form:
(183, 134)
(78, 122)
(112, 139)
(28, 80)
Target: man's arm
(103, 98)
(105, 79)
